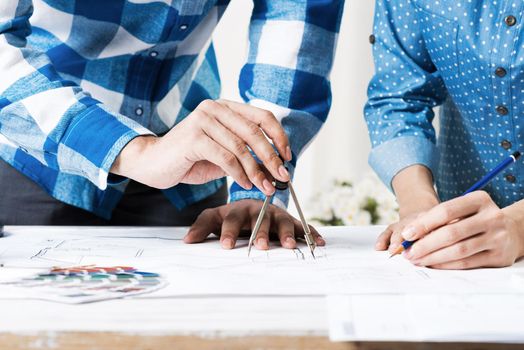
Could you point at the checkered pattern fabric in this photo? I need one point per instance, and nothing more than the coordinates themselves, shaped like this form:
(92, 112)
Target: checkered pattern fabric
(81, 78)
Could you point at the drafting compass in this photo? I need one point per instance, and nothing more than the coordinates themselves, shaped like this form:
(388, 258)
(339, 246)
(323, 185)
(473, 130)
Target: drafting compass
(282, 186)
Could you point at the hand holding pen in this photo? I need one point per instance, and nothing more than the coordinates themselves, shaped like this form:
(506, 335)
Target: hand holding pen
(467, 232)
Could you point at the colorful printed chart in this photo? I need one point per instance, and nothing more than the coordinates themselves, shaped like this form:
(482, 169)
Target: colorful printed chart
(85, 284)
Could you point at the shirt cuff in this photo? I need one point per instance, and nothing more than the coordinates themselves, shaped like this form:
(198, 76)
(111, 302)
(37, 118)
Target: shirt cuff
(237, 193)
(392, 156)
(96, 139)
(280, 199)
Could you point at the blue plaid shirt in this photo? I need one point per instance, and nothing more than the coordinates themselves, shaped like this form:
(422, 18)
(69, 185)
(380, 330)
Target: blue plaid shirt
(468, 57)
(80, 79)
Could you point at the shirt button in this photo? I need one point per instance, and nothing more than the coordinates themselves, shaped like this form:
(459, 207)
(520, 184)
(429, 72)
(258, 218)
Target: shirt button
(511, 179)
(153, 53)
(139, 111)
(183, 27)
(500, 72)
(506, 144)
(510, 21)
(372, 39)
(502, 110)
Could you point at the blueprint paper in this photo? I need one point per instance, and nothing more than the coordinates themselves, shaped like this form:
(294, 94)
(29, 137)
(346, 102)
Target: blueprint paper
(347, 265)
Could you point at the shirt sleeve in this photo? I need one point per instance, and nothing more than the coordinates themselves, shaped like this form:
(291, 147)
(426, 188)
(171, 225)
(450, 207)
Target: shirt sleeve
(48, 117)
(292, 45)
(402, 93)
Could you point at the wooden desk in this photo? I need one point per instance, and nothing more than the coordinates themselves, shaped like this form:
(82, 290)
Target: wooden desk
(184, 323)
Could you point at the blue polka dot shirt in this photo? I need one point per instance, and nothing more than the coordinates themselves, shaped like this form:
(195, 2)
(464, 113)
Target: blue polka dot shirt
(466, 56)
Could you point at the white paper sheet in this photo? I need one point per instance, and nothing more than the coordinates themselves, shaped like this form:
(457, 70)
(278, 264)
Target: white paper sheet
(442, 318)
(347, 265)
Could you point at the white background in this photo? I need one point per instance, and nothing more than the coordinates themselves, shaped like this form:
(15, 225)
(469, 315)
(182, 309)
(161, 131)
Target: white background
(342, 147)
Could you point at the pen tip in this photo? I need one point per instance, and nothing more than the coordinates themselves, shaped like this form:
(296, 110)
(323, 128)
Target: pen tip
(516, 155)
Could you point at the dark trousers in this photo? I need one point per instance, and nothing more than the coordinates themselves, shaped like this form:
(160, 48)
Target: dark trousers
(23, 202)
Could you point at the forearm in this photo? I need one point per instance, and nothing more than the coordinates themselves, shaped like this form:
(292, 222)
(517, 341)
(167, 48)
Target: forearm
(286, 38)
(399, 112)
(48, 117)
(414, 190)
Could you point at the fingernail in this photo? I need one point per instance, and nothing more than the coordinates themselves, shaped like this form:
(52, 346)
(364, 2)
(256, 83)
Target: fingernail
(262, 243)
(409, 233)
(283, 172)
(228, 243)
(411, 253)
(268, 187)
(289, 156)
(290, 241)
(321, 241)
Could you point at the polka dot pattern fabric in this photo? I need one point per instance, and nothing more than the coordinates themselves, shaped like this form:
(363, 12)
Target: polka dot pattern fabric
(466, 56)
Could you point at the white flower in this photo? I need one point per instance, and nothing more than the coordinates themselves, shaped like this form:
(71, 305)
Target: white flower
(386, 199)
(360, 218)
(339, 194)
(387, 217)
(320, 208)
(347, 207)
(346, 203)
(365, 189)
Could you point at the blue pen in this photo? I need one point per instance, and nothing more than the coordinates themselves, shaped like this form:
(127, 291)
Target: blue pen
(477, 186)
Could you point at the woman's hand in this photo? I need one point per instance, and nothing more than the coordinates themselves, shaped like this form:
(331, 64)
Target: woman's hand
(467, 232)
(391, 237)
(415, 195)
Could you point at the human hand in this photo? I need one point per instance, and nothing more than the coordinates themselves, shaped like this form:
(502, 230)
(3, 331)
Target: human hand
(415, 194)
(229, 220)
(208, 144)
(467, 232)
(391, 237)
